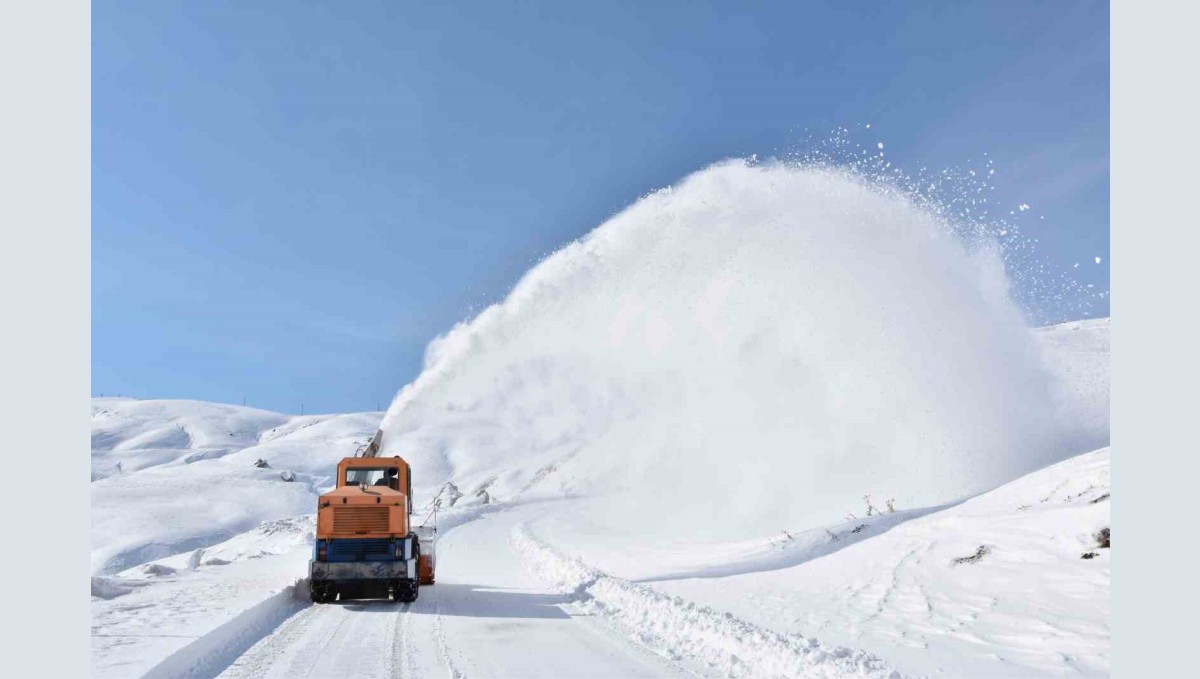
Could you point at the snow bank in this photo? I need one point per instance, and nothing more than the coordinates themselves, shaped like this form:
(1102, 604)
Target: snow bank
(757, 342)
(216, 650)
(680, 629)
(169, 604)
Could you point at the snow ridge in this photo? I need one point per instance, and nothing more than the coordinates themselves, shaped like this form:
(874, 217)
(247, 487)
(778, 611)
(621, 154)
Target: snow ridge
(681, 629)
(208, 655)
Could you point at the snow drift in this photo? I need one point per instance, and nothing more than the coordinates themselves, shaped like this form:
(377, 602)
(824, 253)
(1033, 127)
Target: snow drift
(757, 341)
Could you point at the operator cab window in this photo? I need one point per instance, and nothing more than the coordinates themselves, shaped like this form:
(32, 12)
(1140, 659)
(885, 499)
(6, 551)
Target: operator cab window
(374, 476)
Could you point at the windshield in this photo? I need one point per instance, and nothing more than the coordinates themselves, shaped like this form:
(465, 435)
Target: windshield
(373, 476)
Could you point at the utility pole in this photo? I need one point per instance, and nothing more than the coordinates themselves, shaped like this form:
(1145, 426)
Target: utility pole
(301, 408)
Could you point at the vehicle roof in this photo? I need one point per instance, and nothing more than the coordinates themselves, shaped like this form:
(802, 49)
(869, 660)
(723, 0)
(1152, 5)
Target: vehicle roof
(354, 491)
(373, 461)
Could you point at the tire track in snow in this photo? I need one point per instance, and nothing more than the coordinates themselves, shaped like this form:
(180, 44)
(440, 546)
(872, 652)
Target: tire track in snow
(320, 651)
(258, 659)
(391, 636)
(439, 635)
(339, 639)
(407, 655)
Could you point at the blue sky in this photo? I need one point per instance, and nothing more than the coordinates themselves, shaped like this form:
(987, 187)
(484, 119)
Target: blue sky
(290, 200)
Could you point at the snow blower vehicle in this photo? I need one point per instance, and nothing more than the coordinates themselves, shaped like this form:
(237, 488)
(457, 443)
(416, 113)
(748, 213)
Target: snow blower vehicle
(365, 545)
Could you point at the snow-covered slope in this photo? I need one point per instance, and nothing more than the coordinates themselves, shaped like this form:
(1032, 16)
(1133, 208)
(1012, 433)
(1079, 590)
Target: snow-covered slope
(1011, 583)
(172, 476)
(129, 434)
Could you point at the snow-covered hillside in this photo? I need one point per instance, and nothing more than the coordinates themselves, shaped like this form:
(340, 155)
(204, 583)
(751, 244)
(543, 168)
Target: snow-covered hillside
(171, 476)
(1014, 582)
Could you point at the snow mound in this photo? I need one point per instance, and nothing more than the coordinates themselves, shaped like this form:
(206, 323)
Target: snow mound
(111, 588)
(757, 346)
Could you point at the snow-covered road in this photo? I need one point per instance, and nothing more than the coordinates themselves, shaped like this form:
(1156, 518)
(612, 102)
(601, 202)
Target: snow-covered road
(488, 616)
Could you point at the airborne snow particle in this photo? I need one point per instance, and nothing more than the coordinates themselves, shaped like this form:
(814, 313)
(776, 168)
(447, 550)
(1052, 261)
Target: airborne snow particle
(880, 144)
(1023, 207)
(646, 344)
(1097, 260)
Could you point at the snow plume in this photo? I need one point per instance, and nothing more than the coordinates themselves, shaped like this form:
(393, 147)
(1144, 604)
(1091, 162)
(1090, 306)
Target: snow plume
(759, 345)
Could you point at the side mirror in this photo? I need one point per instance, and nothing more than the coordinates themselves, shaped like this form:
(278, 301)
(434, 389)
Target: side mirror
(362, 486)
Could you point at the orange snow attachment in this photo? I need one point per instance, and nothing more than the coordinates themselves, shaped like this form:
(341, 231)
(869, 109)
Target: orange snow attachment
(425, 568)
(427, 563)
